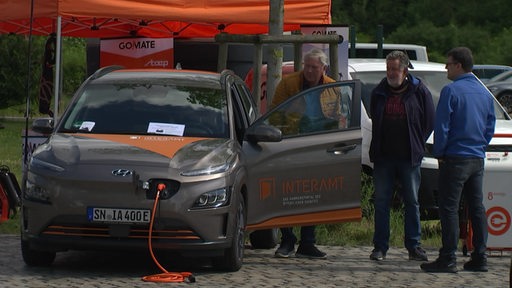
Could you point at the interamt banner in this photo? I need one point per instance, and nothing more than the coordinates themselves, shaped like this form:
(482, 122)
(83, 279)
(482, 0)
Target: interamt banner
(137, 52)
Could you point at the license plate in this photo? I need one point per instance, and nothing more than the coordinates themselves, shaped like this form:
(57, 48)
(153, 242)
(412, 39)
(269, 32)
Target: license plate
(118, 215)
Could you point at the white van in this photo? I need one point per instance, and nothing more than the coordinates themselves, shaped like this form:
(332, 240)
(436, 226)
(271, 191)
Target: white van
(369, 50)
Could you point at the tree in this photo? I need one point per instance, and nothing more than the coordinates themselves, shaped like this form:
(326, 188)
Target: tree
(483, 26)
(14, 61)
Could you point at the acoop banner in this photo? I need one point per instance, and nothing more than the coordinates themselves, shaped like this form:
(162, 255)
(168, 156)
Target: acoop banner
(137, 52)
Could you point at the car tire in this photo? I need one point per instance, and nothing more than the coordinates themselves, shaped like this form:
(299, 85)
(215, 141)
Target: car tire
(36, 258)
(233, 256)
(264, 239)
(505, 100)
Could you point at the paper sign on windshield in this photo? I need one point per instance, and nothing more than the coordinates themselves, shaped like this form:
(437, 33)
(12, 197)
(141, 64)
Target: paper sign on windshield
(166, 128)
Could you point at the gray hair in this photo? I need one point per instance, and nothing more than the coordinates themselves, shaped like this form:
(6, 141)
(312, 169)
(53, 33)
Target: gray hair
(316, 53)
(401, 56)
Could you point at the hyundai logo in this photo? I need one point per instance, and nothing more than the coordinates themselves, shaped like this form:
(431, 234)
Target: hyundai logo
(122, 172)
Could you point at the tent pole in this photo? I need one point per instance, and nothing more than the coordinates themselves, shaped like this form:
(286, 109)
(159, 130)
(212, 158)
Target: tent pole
(29, 74)
(57, 69)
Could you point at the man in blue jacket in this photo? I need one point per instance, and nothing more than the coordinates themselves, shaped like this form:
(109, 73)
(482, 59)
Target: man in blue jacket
(402, 112)
(464, 127)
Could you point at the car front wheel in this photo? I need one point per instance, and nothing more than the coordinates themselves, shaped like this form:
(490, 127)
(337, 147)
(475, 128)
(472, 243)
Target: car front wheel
(505, 100)
(233, 256)
(34, 257)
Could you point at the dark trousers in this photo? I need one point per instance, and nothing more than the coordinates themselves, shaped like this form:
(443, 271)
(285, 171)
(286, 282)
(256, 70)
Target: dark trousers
(461, 176)
(307, 235)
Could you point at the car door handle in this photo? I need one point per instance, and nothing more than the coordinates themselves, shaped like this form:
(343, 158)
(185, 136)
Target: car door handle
(341, 149)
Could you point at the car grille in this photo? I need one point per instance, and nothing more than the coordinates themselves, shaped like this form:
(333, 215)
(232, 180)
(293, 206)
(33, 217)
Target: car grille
(133, 232)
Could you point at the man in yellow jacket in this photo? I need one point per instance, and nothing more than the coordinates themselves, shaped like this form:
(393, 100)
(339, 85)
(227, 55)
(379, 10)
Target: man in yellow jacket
(312, 113)
(325, 106)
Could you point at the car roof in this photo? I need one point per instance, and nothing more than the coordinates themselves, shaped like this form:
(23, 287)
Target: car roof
(134, 73)
(211, 79)
(363, 65)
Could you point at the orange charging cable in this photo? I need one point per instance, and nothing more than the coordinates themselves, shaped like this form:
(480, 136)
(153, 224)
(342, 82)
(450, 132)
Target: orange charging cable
(167, 276)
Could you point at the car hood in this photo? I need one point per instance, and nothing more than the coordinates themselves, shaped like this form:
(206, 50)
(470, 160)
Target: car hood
(65, 150)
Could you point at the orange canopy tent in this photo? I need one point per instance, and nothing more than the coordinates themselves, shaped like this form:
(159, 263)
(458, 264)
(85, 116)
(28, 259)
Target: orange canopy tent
(154, 18)
(151, 18)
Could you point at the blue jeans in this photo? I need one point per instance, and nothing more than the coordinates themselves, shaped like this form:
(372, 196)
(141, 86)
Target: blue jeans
(385, 174)
(461, 176)
(307, 235)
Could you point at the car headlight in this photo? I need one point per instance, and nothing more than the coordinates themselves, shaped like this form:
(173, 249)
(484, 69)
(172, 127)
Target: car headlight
(37, 193)
(212, 199)
(212, 169)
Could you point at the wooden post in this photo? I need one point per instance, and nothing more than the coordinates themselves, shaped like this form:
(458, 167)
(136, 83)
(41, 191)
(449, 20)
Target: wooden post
(222, 60)
(256, 76)
(297, 54)
(275, 57)
(333, 62)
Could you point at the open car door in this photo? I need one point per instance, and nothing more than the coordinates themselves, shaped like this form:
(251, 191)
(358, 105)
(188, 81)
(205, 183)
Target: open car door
(305, 167)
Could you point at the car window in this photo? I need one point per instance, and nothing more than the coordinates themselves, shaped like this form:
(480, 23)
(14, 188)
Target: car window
(503, 76)
(487, 73)
(316, 110)
(149, 108)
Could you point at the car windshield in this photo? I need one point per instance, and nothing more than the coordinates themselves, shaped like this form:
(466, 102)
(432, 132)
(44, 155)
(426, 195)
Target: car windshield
(148, 108)
(434, 80)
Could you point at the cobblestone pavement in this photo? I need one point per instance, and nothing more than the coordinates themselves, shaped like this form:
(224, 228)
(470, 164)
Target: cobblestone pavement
(344, 267)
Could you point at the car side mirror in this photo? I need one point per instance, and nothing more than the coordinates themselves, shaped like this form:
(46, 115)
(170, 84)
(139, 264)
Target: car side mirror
(43, 125)
(263, 133)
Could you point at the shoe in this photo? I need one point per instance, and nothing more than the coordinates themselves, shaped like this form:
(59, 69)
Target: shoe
(377, 255)
(418, 254)
(476, 264)
(285, 250)
(440, 265)
(310, 251)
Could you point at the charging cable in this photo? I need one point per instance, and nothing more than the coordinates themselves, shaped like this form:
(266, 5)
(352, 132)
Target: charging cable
(167, 276)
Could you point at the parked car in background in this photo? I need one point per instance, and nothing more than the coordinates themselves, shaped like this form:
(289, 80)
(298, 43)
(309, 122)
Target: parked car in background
(185, 153)
(501, 86)
(503, 76)
(370, 50)
(502, 90)
(486, 71)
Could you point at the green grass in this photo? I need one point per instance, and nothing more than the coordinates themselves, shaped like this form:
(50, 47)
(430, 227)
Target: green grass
(351, 233)
(11, 156)
(10, 150)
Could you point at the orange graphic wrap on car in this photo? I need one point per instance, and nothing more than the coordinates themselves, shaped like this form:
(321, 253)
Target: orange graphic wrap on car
(162, 144)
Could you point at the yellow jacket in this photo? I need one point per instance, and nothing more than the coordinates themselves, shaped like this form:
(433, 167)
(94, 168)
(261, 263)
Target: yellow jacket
(291, 85)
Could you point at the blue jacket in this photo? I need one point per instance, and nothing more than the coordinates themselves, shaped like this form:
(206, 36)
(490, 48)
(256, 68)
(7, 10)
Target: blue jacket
(420, 111)
(465, 119)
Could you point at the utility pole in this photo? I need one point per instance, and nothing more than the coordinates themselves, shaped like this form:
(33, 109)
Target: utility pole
(275, 57)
